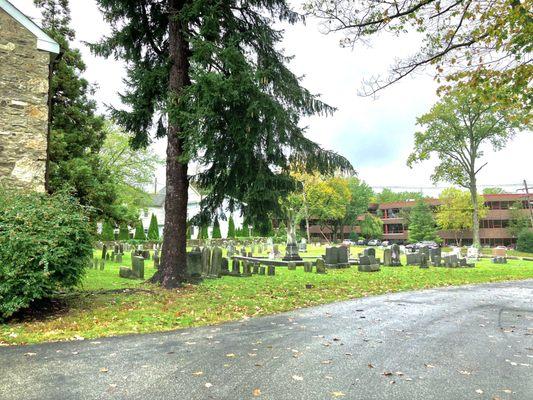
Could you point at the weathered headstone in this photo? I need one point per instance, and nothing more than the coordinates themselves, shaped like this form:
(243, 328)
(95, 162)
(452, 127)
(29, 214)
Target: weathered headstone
(104, 251)
(499, 260)
(102, 265)
(387, 257)
(246, 268)
(271, 270)
(235, 268)
(224, 266)
(138, 267)
(194, 264)
(308, 266)
(206, 261)
(262, 270)
(368, 263)
(125, 272)
(255, 268)
(413, 258)
(302, 246)
(95, 263)
(369, 251)
(243, 251)
(395, 255)
(434, 254)
(216, 262)
(291, 266)
(320, 266)
(118, 258)
(424, 260)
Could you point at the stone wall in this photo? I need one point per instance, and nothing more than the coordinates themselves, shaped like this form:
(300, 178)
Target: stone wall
(23, 106)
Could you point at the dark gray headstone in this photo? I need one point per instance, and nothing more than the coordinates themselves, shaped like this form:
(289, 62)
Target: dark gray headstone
(125, 272)
(102, 265)
(206, 261)
(216, 262)
(395, 255)
(369, 251)
(262, 270)
(291, 266)
(138, 267)
(423, 260)
(308, 266)
(194, 264)
(271, 270)
(413, 258)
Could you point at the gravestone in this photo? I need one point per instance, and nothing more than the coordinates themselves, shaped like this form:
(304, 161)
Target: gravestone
(255, 268)
(246, 268)
(320, 266)
(424, 260)
(276, 251)
(95, 263)
(104, 251)
(243, 251)
(369, 251)
(413, 258)
(125, 272)
(250, 254)
(368, 263)
(499, 252)
(102, 265)
(499, 260)
(308, 266)
(118, 258)
(343, 254)
(216, 262)
(194, 264)
(146, 254)
(271, 270)
(236, 268)
(435, 253)
(395, 256)
(137, 267)
(231, 250)
(472, 253)
(291, 266)
(206, 261)
(425, 251)
(302, 246)
(262, 270)
(224, 266)
(387, 257)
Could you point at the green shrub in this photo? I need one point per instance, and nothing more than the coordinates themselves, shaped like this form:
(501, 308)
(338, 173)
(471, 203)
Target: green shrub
(231, 227)
(45, 245)
(153, 229)
(108, 232)
(216, 234)
(525, 242)
(139, 231)
(123, 232)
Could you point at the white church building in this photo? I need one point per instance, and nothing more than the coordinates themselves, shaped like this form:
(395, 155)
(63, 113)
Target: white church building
(157, 207)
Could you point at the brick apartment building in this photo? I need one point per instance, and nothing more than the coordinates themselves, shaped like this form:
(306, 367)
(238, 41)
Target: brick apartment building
(493, 228)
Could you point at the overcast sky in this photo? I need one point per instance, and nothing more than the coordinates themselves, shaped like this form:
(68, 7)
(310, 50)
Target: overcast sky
(376, 135)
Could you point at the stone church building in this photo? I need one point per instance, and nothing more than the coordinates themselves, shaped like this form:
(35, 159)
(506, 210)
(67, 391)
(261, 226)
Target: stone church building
(26, 53)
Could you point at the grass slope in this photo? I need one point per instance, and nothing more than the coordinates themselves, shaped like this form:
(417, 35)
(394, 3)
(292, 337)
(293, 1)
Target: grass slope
(107, 305)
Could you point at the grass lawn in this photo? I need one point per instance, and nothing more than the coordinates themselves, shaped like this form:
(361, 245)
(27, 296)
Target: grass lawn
(107, 305)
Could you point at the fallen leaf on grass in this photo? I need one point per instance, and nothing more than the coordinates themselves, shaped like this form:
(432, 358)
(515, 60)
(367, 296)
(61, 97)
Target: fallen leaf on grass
(337, 394)
(230, 355)
(325, 362)
(198, 373)
(297, 378)
(256, 392)
(479, 391)
(429, 366)
(387, 373)
(462, 372)
(370, 366)
(208, 385)
(103, 370)
(30, 354)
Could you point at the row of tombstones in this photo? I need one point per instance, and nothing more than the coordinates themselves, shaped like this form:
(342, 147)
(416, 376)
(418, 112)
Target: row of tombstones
(426, 256)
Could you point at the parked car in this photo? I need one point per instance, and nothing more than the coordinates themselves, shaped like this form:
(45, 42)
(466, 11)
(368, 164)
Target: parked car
(361, 242)
(374, 242)
(385, 243)
(348, 242)
(425, 243)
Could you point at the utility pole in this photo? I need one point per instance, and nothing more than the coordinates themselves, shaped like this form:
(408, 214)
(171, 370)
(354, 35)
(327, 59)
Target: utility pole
(526, 190)
(155, 185)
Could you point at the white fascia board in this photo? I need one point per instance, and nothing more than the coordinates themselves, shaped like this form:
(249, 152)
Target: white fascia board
(44, 42)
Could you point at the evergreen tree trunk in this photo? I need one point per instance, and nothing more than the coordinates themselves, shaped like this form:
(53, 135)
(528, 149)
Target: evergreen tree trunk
(475, 214)
(173, 268)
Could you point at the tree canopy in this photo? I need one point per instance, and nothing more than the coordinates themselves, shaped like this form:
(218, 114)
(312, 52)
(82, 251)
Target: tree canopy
(211, 77)
(487, 44)
(421, 224)
(455, 212)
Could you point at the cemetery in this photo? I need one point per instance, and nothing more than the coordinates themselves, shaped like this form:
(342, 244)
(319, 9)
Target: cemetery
(235, 279)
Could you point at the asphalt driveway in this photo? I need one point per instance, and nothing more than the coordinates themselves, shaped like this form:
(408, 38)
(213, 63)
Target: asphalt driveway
(470, 342)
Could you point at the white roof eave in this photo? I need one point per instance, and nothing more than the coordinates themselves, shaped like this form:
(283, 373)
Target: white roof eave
(44, 42)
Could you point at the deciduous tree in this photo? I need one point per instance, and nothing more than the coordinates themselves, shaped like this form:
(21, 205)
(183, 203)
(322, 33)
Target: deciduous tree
(422, 225)
(455, 130)
(455, 212)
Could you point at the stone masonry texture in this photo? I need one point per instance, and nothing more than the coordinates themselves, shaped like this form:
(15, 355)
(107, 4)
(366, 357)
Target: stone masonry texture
(23, 107)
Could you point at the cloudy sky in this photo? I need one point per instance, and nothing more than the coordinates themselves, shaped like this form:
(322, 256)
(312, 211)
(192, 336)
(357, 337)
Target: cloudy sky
(375, 134)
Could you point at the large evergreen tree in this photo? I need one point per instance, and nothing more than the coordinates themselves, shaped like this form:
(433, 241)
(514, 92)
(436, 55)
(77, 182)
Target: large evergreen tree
(209, 76)
(76, 131)
(231, 227)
